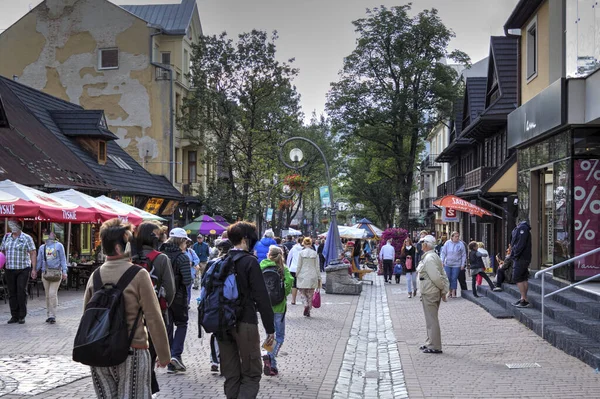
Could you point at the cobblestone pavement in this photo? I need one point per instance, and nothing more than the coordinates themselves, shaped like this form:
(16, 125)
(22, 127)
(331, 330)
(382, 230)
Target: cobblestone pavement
(476, 349)
(309, 361)
(371, 366)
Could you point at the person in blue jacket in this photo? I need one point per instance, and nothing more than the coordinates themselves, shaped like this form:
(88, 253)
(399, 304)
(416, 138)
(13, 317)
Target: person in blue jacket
(261, 249)
(520, 252)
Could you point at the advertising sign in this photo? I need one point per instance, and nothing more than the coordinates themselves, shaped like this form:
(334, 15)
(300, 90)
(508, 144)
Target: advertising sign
(153, 205)
(587, 216)
(170, 208)
(269, 214)
(450, 215)
(325, 198)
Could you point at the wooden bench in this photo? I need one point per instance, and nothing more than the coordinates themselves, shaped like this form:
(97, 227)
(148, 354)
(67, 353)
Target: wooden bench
(361, 272)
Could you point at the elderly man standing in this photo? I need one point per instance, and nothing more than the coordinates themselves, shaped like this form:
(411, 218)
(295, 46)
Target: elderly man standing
(433, 285)
(20, 256)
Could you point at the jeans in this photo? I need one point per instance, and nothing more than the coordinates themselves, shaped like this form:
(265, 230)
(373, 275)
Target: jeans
(178, 317)
(388, 268)
(462, 279)
(356, 264)
(411, 278)
(474, 280)
(279, 337)
(16, 282)
(452, 273)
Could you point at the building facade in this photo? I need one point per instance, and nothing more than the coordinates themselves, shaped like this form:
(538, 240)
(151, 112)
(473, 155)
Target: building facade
(555, 131)
(130, 61)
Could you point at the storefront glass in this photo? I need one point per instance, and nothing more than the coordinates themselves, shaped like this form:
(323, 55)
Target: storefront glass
(562, 210)
(523, 184)
(546, 216)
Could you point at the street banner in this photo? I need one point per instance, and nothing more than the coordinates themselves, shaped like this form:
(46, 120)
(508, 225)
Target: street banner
(325, 199)
(450, 215)
(269, 214)
(587, 216)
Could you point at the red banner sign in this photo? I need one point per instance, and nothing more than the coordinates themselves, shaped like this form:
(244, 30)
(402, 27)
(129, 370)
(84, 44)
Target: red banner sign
(587, 216)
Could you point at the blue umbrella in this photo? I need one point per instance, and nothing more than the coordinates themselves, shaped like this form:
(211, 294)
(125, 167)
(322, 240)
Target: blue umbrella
(333, 245)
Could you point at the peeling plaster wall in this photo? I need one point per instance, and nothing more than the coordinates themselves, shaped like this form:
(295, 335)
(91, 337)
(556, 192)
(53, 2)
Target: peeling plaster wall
(54, 48)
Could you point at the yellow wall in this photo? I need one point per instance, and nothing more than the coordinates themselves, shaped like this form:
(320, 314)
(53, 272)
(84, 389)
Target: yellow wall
(541, 81)
(507, 183)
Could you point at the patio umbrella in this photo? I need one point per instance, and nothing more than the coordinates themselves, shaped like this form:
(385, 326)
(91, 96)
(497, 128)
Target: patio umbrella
(51, 208)
(205, 225)
(129, 209)
(349, 233)
(333, 245)
(103, 210)
(221, 220)
(372, 230)
(459, 204)
(11, 206)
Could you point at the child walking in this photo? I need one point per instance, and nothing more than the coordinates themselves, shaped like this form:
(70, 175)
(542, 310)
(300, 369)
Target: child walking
(275, 259)
(477, 266)
(397, 270)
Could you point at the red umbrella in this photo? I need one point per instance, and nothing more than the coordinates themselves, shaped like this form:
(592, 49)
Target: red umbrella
(459, 204)
(11, 206)
(103, 210)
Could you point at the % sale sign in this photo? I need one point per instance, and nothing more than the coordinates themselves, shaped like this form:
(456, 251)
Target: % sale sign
(587, 215)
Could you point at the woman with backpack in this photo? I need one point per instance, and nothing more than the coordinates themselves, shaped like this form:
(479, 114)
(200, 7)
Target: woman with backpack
(274, 266)
(308, 274)
(407, 257)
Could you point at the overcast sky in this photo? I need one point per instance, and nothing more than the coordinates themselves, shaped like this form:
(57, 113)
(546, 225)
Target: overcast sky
(319, 33)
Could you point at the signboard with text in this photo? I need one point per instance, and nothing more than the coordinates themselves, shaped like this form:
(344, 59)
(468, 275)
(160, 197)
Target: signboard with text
(586, 195)
(153, 205)
(450, 215)
(325, 198)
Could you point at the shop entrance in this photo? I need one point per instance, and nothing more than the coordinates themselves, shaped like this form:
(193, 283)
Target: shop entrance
(546, 216)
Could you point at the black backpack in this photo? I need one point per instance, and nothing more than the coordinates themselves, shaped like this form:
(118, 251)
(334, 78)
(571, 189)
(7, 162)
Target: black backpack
(102, 339)
(275, 284)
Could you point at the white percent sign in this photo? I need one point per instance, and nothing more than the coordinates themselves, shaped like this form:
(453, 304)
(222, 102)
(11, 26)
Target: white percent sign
(593, 170)
(589, 234)
(581, 194)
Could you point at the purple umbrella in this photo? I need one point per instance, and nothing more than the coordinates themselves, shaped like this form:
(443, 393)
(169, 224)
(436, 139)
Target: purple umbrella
(205, 225)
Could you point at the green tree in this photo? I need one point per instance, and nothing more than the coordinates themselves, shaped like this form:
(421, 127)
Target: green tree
(392, 89)
(243, 102)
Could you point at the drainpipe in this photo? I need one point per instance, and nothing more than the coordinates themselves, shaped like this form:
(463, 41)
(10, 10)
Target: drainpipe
(171, 122)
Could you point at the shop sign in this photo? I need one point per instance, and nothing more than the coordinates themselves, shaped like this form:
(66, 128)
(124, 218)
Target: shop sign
(587, 216)
(450, 215)
(180, 213)
(127, 199)
(537, 116)
(170, 208)
(153, 205)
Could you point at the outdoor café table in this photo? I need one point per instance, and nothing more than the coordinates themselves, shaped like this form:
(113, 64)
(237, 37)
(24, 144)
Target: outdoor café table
(80, 273)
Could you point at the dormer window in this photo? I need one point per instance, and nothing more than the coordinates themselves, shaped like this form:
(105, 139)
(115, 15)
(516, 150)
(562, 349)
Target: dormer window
(3, 119)
(102, 152)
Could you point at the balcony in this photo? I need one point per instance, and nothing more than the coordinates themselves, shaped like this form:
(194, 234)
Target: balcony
(475, 178)
(429, 164)
(427, 204)
(451, 186)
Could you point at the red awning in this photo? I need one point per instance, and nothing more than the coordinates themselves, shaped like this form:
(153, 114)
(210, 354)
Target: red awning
(11, 206)
(459, 204)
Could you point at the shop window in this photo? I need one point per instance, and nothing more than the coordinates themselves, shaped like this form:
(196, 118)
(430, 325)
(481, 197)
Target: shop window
(108, 58)
(192, 171)
(86, 239)
(532, 49)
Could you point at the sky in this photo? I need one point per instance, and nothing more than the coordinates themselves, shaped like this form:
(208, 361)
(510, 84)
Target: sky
(319, 33)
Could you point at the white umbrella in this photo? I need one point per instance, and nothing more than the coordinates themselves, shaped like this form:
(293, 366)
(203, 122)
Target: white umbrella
(119, 205)
(349, 232)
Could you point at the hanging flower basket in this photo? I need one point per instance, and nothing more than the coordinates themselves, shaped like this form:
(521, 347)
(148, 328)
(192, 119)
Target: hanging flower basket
(324, 221)
(296, 182)
(285, 204)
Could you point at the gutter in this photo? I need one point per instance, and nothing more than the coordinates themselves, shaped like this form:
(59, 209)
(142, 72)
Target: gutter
(160, 31)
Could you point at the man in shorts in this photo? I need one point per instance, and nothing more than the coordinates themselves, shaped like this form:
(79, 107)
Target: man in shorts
(520, 245)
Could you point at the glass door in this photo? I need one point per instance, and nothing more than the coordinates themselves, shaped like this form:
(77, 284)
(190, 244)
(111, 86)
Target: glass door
(546, 216)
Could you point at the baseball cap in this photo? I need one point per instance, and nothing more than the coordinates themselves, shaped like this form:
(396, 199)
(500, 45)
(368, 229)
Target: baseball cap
(429, 239)
(178, 232)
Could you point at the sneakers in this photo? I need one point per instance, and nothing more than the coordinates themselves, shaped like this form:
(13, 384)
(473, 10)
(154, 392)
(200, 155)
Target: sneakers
(517, 303)
(21, 321)
(51, 320)
(306, 311)
(178, 364)
(497, 289)
(523, 304)
(214, 368)
(13, 320)
(267, 365)
(171, 369)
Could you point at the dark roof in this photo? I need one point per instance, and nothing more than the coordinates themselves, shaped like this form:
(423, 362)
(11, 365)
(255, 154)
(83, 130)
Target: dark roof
(83, 123)
(504, 63)
(134, 180)
(474, 102)
(458, 116)
(30, 155)
(521, 13)
(174, 19)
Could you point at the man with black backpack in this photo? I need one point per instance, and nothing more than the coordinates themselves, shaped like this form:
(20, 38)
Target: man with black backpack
(176, 249)
(239, 343)
(117, 295)
(158, 266)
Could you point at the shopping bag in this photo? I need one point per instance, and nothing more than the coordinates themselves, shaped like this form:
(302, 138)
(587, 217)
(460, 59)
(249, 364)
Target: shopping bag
(316, 299)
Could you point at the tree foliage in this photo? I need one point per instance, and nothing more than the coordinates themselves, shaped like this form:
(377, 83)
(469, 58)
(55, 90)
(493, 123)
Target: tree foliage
(243, 103)
(392, 89)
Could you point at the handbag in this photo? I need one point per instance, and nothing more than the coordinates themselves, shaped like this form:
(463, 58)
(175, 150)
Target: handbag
(52, 275)
(316, 299)
(409, 262)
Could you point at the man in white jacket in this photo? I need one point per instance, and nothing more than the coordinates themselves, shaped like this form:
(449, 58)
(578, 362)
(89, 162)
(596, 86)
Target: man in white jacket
(292, 264)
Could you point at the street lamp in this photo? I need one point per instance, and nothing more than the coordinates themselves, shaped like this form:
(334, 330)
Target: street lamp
(296, 155)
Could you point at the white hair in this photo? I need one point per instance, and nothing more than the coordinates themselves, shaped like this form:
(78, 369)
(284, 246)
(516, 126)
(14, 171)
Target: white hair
(269, 234)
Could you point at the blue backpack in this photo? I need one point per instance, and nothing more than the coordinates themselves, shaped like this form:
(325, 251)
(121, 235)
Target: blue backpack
(219, 304)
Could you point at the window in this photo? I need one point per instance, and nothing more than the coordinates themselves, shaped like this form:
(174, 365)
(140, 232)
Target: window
(186, 62)
(192, 172)
(177, 105)
(108, 59)
(165, 58)
(119, 162)
(532, 53)
(102, 152)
